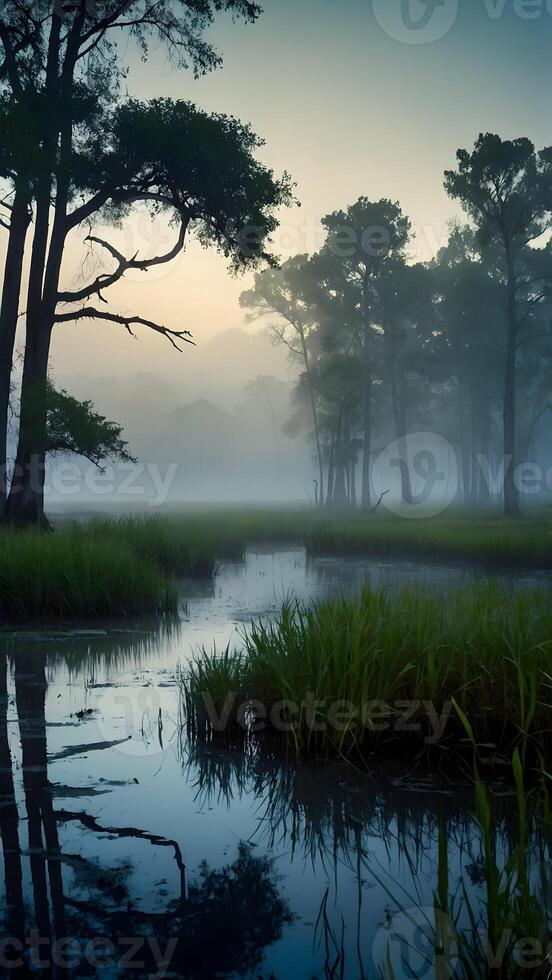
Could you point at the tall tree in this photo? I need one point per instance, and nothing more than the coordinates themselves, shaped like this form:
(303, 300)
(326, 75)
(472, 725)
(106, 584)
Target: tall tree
(60, 65)
(18, 160)
(406, 313)
(284, 298)
(366, 237)
(505, 187)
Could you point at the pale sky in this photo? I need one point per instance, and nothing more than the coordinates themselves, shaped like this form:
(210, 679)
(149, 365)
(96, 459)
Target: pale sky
(347, 110)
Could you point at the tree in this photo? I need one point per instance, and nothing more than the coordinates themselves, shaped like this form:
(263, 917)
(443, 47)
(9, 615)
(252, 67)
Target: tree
(405, 294)
(216, 189)
(269, 393)
(366, 237)
(59, 68)
(285, 294)
(339, 385)
(505, 187)
(17, 149)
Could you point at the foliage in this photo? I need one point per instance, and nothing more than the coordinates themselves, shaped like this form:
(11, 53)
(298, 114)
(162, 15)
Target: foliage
(75, 427)
(73, 574)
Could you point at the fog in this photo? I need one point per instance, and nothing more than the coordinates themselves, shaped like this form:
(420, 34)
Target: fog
(217, 436)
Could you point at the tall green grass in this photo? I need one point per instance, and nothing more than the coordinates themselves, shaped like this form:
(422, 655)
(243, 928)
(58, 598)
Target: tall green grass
(105, 567)
(74, 573)
(522, 543)
(199, 539)
(172, 545)
(481, 653)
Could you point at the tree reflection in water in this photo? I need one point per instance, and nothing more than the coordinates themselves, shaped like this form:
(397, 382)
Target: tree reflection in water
(221, 922)
(240, 905)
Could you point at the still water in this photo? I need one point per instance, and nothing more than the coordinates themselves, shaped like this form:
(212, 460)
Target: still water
(128, 851)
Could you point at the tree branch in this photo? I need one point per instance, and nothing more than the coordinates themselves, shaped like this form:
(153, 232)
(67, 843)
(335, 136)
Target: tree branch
(90, 313)
(105, 280)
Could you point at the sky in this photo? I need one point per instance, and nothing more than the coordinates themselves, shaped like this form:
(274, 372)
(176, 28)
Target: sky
(351, 100)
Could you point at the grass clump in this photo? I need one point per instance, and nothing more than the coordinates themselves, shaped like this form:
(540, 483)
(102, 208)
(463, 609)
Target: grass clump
(106, 567)
(171, 545)
(214, 690)
(524, 543)
(343, 675)
(72, 574)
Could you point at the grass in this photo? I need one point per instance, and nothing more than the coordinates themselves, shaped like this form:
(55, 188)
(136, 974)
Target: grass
(107, 567)
(469, 536)
(480, 538)
(128, 565)
(74, 574)
(346, 668)
(172, 545)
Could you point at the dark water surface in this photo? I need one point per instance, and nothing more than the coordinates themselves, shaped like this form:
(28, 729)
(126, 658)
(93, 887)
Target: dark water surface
(119, 837)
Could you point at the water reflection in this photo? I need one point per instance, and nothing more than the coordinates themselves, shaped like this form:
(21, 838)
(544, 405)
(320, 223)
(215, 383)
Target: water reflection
(61, 927)
(226, 860)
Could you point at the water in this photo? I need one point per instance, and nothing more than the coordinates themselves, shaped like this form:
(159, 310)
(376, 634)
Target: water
(119, 836)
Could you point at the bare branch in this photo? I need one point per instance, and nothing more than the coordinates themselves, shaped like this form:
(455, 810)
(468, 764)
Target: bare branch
(91, 313)
(105, 280)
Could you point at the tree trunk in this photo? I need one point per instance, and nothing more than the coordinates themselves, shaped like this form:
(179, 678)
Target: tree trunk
(340, 490)
(484, 494)
(25, 503)
(314, 410)
(331, 469)
(30, 693)
(353, 482)
(366, 497)
(9, 308)
(399, 415)
(511, 494)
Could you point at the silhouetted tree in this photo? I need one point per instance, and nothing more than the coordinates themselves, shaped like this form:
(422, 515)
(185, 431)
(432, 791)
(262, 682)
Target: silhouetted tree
(283, 297)
(505, 186)
(366, 237)
(60, 69)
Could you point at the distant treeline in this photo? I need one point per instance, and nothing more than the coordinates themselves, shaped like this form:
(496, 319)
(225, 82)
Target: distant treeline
(460, 346)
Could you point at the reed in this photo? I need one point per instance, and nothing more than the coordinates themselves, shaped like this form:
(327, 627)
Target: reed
(340, 676)
(73, 574)
(525, 543)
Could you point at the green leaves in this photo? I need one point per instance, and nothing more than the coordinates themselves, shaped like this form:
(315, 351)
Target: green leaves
(198, 165)
(75, 427)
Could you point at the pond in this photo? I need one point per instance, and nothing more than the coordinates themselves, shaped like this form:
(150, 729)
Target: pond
(129, 851)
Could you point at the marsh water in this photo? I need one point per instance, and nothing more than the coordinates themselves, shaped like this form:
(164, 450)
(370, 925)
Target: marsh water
(129, 851)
